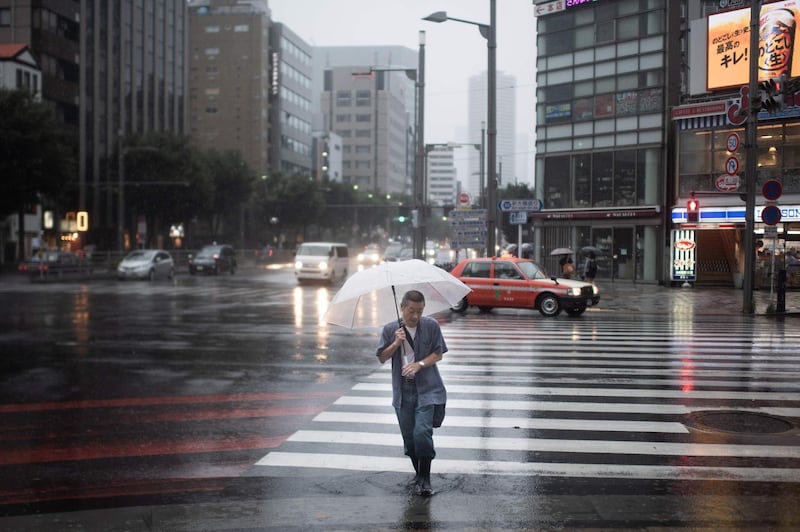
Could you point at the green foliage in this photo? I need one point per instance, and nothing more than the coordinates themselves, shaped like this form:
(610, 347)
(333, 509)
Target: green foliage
(36, 156)
(166, 180)
(512, 191)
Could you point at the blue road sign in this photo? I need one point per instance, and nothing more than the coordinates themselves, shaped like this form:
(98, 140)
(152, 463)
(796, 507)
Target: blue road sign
(527, 205)
(770, 215)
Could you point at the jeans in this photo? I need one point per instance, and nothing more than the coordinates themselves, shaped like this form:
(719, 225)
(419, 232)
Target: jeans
(416, 424)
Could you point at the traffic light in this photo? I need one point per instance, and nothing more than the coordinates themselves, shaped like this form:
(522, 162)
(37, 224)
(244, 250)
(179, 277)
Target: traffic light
(772, 99)
(692, 211)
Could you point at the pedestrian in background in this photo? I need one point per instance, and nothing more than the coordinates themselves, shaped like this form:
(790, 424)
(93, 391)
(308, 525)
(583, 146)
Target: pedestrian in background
(568, 269)
(590, 268)
(415, 345)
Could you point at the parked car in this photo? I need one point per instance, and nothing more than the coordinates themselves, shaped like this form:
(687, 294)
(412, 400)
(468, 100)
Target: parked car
(146, 264)
(54, 264)
(215, 259)
(521, 283)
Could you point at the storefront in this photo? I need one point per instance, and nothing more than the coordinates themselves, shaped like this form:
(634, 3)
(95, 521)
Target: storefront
(710, 160)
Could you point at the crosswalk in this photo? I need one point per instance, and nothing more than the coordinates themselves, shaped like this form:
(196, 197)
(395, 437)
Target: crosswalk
(600, 397)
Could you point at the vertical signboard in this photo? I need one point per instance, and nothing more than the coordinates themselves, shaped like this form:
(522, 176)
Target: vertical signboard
(684, 255)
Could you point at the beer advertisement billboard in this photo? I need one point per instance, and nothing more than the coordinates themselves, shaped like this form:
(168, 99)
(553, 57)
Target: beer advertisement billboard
(729, 45)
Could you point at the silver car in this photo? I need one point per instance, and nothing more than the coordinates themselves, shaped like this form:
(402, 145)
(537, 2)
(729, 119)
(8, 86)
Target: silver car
(146, 264)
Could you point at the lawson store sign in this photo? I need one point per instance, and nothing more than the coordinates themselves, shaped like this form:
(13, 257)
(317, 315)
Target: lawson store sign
(789, 213)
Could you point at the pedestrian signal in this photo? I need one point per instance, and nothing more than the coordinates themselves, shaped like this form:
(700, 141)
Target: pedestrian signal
(693, 211)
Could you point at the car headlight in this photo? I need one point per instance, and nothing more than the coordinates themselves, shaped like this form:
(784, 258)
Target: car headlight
(595, 290)
(298, 264)
(360, 257)
(574, 291)
(323, 266)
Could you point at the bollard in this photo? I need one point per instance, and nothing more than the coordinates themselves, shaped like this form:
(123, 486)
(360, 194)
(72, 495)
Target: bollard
(780, 305)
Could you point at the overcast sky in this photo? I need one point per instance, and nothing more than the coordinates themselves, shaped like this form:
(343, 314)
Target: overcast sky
(454, 51)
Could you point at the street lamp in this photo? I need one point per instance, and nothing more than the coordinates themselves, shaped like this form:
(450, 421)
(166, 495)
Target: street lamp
(490, 34)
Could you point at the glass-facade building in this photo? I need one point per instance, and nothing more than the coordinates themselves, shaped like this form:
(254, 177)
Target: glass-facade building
(607, 74)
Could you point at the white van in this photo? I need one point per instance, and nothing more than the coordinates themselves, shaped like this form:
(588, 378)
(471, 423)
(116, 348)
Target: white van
(321, 261)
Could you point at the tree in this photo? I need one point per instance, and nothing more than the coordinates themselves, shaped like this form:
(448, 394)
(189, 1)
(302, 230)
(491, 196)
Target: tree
(233, 182)
(166, 181)
(37, 158)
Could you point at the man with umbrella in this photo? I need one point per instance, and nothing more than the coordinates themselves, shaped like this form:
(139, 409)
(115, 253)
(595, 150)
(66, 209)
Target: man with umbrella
(415, 344)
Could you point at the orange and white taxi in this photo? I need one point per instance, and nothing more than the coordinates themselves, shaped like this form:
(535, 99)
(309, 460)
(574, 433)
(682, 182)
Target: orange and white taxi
(521, 283)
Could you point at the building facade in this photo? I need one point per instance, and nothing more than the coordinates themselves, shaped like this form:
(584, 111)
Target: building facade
(231, 78)
(133, 80)
(506, 129)
(708, 131)
(367, 110)
(290, 103)
(607, 75)
(51, 28)
(397, 86)
(440, 176)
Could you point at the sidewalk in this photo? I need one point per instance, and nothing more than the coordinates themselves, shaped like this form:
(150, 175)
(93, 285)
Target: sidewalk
(709, 301)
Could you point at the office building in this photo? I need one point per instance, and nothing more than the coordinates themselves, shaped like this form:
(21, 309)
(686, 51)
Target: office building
(391, 168)
(367, 111)
(230, 78)
(506, 129)
(441, 175)
(607, 75)
(291, 103)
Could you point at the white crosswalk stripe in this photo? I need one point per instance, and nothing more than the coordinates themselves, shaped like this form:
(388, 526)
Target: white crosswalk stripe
(588, 398)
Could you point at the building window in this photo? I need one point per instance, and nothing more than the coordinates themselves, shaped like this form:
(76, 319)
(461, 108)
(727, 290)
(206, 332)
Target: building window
(344, 118)
(363, 98)
(344, 98)
(5, 16)
(363, 118)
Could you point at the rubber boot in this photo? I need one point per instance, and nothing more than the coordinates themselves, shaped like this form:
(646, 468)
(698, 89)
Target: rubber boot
(415, 463)
(424, 482)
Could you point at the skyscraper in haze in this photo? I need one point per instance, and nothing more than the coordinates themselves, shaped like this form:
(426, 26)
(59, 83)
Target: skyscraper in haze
(506, 129)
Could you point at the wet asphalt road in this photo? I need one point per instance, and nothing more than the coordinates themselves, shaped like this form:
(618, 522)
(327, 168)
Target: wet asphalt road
(145, 406)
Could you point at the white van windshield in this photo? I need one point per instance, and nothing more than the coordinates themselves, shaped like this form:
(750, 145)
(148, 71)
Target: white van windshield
(313, 251)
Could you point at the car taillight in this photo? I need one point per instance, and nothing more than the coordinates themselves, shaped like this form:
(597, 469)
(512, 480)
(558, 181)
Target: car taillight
(216, 256)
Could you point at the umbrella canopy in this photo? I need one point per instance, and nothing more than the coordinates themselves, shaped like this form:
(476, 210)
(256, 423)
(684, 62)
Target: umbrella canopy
(372, 297)
(590, 249)
(562, 251)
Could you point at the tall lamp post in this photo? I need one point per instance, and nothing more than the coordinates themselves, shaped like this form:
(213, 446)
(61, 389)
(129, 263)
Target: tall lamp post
(489, 32)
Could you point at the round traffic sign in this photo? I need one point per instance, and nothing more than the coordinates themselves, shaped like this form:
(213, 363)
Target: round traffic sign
(772, 190)
(463, 199)
(732, 166)
(733, 142)
(771, 215)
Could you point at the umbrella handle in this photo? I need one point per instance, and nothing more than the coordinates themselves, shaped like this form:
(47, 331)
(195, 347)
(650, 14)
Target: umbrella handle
(394, 295)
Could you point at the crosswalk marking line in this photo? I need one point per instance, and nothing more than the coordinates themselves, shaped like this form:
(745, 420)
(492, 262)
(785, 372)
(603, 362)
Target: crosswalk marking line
(667, 427)
(482, 368)
(525, 375)
(564, 406)
(652, 448)
(599, 392)
(461, 467)
(620, 356)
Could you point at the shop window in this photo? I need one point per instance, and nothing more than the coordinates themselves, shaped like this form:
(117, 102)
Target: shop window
(602, 180)
(625, 178)
(582, 172)
(557, 182)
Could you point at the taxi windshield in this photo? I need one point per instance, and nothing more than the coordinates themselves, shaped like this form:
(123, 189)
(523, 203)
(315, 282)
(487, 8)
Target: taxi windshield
(532, 270)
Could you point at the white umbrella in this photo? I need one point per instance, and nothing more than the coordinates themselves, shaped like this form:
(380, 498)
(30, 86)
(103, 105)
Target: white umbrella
(562, 251)
(371, 297)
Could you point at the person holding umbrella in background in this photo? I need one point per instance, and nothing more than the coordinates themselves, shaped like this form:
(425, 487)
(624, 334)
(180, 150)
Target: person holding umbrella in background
(415, 344)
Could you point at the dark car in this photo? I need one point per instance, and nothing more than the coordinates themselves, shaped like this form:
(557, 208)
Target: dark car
(521, 283)
(216, 258)
(54, 264)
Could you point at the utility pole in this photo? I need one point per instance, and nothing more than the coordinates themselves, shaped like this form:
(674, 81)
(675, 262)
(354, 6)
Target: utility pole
(751, 134)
